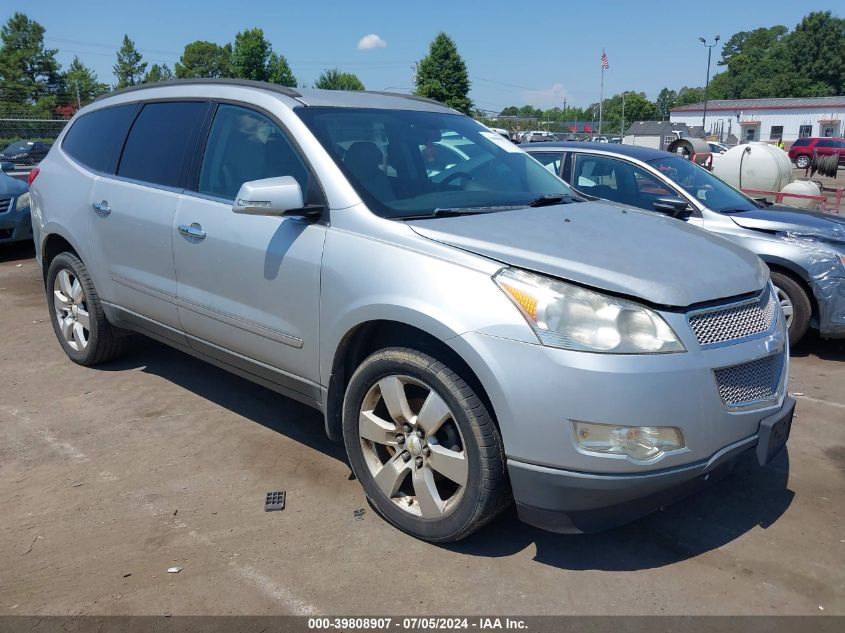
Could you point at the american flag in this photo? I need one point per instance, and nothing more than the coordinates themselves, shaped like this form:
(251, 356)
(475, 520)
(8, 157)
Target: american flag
(604, 63)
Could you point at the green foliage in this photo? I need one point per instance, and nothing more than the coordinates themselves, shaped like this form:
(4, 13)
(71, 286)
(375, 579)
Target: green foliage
(80, 82)
(250, 55)
(28, 71)
(334, 79)
(129, 68)
(666, 100)
(203, 60)
(279, 71)
(157, 73)
(442, 75)
(774, 62)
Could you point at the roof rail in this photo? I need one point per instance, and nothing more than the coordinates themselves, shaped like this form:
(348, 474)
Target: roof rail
(247, 83)
(404, 96)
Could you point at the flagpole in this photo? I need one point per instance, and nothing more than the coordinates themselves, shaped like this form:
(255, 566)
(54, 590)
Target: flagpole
(601, 97)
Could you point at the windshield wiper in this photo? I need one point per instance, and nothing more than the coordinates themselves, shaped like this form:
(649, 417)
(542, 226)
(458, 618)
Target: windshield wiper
(550, 199)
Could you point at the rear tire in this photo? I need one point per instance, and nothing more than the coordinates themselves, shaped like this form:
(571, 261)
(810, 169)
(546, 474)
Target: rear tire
(77, 315)
(446, 477)
(795, 303)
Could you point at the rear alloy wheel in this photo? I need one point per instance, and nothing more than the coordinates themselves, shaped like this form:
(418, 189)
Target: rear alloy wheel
(802, 162)
(795, 305)
(77, 314)
(423, 446)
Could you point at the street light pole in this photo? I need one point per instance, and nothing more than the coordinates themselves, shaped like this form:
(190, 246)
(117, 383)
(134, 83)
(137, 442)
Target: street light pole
(709, 48)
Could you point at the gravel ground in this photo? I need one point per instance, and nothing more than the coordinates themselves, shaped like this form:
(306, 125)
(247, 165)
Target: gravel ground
(110, 476)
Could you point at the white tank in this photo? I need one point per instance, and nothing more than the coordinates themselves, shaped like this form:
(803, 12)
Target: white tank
(757, 166)
(805, 188)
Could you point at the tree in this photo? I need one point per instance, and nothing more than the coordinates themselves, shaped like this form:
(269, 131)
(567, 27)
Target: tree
(28, 71)
(157, 73)
(203, 60)
(279, 71)
(129, 68)
(80, 84)
(816, 50)
(509, 111)
(665, 101)
(250, 55)
(442, 75)
(688, 96)
(334, 79)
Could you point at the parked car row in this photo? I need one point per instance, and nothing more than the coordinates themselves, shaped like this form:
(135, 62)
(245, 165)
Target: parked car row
(471, 328)
(804, 250)
(25, 152)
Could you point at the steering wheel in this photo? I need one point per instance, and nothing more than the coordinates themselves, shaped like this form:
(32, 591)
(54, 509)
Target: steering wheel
(454, 176)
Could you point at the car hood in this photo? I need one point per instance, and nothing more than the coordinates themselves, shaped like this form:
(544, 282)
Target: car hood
(635, 253)
(11, 187)
(793, 222)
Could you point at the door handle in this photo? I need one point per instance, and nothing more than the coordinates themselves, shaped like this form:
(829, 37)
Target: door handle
(193, 230)
(102, 208)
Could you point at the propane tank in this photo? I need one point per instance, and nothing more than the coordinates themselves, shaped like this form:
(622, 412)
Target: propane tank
(755, 166)
(805, 188)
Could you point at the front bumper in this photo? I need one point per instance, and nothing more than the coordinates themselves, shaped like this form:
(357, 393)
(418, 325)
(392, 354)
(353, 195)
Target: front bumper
(572, 502)
(15, 225)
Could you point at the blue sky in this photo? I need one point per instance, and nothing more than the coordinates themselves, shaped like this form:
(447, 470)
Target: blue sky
(538, 53)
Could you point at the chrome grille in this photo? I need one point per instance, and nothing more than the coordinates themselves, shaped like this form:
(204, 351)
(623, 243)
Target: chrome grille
(734, 322)
(752, 382)
(4, 204)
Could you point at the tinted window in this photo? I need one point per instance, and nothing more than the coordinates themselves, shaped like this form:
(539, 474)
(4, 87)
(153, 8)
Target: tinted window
(825, 143)
(160, 141)
(245, 145)
(801, 142)
(96, 138)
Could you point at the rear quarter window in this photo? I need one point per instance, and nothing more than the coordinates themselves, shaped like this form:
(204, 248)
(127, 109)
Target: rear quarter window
(160, 142)
(95, 139)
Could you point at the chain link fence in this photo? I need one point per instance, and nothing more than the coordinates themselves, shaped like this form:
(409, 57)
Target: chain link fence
(14, 130)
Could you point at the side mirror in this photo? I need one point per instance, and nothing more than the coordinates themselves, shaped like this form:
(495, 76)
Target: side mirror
(280, 196)
(7, 166)
(676, 207)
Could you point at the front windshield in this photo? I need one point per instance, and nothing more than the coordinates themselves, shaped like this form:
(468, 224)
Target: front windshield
(712, 192)
(406, 163)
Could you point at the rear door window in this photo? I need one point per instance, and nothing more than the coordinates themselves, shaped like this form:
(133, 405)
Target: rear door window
(161, 141)
(245, 145)
(95, 139)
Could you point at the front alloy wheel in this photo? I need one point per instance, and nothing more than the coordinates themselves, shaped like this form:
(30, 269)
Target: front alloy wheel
(412, 446)
(423, 445)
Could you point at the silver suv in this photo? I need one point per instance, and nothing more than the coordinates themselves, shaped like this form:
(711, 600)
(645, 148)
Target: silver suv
(470, 331)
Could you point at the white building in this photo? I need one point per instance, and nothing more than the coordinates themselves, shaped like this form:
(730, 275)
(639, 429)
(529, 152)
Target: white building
(767, 119)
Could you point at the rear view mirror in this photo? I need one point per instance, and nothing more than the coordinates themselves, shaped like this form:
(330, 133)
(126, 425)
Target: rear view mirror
(6, 166)
(676, 207)
(280, 196)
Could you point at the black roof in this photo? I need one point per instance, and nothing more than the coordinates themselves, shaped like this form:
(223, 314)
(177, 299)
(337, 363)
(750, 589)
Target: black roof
(634, 151)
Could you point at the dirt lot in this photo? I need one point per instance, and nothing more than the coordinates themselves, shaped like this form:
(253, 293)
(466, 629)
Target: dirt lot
(110, 476)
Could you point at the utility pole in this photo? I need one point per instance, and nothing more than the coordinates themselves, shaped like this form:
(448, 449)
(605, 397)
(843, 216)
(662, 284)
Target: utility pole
(565, 129)
(78, 100)
(709, 48)
(622, 127)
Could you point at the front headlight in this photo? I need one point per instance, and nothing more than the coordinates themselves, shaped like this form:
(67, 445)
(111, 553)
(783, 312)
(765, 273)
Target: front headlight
(22, 201)
(571, 317)
(637, 442)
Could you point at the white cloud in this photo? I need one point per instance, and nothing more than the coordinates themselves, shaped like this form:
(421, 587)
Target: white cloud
(371, 41)
(547, 97)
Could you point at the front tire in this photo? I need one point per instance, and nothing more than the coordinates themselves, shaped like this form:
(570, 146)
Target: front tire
(77, 314)
(802, 162)
(795, 304)
(423, 446)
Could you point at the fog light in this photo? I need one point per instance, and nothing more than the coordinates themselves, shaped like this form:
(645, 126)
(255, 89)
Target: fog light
(636, 442)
